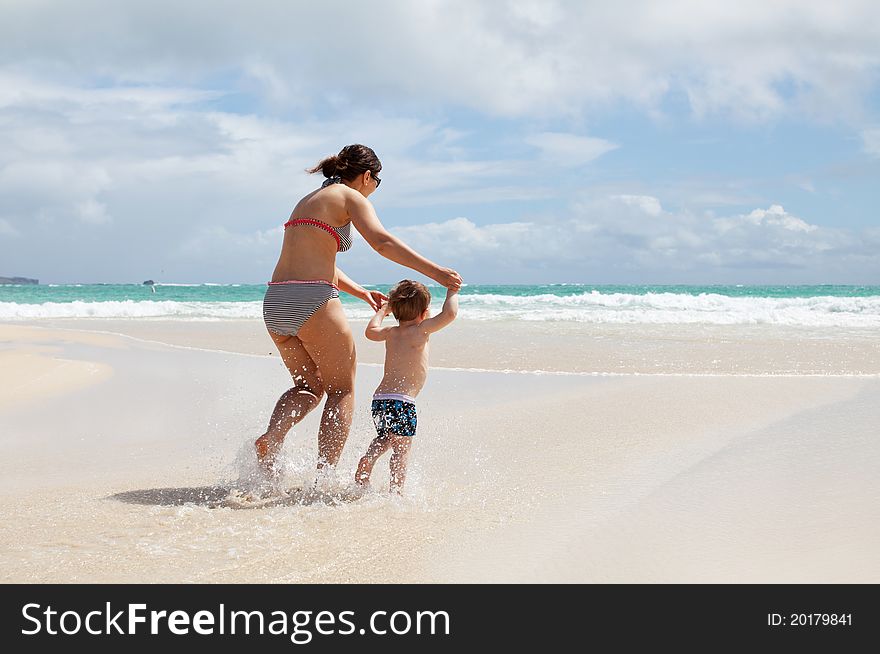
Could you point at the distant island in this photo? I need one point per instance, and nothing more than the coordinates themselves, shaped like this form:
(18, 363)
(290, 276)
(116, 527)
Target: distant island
(18, 280)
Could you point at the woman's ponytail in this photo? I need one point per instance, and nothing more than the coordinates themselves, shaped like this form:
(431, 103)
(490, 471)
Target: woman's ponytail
(352, 160)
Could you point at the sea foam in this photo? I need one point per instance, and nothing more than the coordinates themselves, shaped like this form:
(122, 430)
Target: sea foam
(589, 307)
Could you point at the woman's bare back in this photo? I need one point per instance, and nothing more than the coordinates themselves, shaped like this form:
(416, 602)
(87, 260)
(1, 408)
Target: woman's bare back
(308, 252)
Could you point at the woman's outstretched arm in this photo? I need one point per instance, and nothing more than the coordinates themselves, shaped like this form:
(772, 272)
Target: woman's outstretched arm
(389, 246)
(346, 284)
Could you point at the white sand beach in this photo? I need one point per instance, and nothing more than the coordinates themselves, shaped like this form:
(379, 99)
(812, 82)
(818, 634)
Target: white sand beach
(730, 456)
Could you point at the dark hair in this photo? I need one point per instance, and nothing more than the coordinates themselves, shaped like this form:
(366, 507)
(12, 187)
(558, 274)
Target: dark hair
(408, 299)
(352, 160)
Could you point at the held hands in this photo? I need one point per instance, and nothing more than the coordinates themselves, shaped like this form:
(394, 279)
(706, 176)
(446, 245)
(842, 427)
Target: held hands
(375, 299)
(448, 278)
(383, 310)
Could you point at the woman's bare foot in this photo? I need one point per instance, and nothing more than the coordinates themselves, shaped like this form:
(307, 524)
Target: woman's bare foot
(267, 453)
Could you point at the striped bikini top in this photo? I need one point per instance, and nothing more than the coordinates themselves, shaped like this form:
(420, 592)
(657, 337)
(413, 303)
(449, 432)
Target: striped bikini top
(342, 234)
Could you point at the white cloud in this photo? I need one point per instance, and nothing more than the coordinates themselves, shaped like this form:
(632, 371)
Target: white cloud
(7, 228)
(618, 236)
(213, 241)
(569, 149)
(776, 215)
(650, 205)
(754, 59)
(871, 141)
(105, 120)
(276, 88)
(803, 183)
(683, 240)
(463, 238)
(20, 89)
(157, 169)
(93, 213)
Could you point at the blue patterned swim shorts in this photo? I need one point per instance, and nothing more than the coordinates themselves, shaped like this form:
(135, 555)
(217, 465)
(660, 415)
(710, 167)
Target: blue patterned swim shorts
(394, 416)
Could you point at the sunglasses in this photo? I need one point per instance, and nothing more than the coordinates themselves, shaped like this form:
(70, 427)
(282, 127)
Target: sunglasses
(376, 177)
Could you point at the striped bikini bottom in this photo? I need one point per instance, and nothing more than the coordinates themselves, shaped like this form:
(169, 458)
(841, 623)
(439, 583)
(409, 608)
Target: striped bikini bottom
(287, 305)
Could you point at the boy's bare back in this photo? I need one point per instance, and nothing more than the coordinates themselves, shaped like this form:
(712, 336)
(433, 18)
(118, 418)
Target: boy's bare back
(406, 346)
(406, 360)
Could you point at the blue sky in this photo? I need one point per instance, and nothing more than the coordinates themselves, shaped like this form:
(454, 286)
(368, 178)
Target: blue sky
(522, 142)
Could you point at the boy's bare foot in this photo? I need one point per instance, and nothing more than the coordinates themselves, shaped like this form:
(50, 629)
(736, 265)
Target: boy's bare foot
(267, 453)
(362, 475)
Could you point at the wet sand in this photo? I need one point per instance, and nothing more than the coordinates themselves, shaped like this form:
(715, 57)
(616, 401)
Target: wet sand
(561, 346)
(135, 473)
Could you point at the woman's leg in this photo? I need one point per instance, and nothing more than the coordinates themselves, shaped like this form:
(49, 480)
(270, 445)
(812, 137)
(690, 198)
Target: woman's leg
(327, 338)
(294, 404)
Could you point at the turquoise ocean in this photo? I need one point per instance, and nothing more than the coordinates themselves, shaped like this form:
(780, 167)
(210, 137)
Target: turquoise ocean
(808, 306)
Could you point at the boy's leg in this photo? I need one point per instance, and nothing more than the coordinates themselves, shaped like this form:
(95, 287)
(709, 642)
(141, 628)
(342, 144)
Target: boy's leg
(399, 457)
(377, 448)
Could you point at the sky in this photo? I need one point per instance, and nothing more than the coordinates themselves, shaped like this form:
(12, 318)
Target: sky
(675, 142)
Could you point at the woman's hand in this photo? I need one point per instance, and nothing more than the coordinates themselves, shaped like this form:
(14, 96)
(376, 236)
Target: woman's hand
(375, 299)
(448, 278)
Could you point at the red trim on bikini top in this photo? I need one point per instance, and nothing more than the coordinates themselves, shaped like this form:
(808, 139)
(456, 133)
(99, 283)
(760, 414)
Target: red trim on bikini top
(317, 223)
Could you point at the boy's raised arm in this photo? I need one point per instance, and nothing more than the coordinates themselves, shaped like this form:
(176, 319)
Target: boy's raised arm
(375, 331)
(447, 313)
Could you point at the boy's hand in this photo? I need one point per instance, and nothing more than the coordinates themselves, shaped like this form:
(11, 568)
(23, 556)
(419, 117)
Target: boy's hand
(375, 331)
(375, 299)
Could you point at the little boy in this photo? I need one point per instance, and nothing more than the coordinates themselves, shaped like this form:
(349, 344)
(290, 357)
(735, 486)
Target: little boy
(406, 368)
